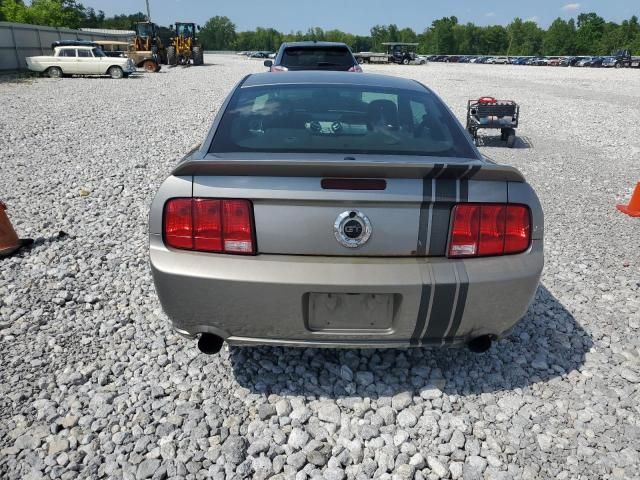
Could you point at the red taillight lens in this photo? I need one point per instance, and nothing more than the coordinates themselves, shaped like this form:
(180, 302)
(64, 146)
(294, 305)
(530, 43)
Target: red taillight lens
(178, 223)
(518, 231)
(489, 229)
(492, 218)
(238, 229)
(209, 225)
(464, 231)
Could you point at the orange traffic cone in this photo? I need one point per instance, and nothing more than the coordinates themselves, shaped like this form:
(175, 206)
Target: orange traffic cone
(9, 241)
(633, 209)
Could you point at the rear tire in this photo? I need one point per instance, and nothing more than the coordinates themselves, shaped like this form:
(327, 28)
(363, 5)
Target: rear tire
(54, 72)
(198, 56)
(405, 61)
(115, 72)
(511, 139)
(150, 66)
(172, 59)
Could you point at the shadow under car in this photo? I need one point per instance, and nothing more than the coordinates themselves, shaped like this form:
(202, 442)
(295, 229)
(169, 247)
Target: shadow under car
(547, 343)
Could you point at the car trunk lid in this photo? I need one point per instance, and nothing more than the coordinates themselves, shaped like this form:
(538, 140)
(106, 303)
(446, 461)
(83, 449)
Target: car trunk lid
(305, 207)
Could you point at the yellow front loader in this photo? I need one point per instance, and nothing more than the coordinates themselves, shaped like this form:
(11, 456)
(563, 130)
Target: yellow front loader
(185, 47)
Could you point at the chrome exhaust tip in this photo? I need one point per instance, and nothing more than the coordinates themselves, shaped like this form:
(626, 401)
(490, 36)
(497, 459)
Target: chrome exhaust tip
(210, 344)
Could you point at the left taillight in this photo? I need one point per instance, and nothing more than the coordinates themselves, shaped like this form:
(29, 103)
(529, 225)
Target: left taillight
(209, 225)
(489, 229)
(356, 68)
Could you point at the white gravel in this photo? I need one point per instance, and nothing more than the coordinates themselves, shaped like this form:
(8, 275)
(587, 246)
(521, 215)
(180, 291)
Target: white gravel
(94, 384)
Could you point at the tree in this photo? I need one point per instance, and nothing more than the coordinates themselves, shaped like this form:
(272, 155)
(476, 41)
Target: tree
(589, 33)
(560, 38)
(468, 39)
(122, 22)
(14, 11)
(525, 38)
(56, 13)
(442, 37)
(219, 33)
(496, 40)
(379, 35)
(407, 35)
(93, 19)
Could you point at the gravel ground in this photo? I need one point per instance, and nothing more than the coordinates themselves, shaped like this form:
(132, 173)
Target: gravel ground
(93, 384)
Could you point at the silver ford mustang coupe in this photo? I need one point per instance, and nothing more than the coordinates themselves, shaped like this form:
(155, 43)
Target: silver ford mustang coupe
(327, 209)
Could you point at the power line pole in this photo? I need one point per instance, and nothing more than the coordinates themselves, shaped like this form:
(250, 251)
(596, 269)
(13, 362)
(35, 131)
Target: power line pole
(148, 12)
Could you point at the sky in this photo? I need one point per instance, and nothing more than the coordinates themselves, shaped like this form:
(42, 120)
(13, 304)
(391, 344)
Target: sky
(358, 16)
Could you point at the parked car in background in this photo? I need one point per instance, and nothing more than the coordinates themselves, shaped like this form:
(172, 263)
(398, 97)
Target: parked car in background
(553, 61)
(80, 59)
(498, 60)
(610, 62)
(334, 210)
(113, 48)
(313, 56)
(584, 62)
(596, 62)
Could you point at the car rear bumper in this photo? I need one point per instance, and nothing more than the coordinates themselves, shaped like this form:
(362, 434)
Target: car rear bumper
(273, 299)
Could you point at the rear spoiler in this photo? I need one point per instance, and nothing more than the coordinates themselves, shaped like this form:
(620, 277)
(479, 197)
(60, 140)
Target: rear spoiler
(475, 169)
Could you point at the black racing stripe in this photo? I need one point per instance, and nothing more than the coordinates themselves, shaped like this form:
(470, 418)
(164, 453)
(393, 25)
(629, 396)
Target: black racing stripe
(446, 190)
(464, 190)
(437, 168)
(423, 310)
(471, 172)
(443, 297)
(423, 225)
(440, 216)
(454, 171)
(460, 304)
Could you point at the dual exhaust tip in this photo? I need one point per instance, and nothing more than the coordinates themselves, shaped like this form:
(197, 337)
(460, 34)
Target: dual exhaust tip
(211, 344)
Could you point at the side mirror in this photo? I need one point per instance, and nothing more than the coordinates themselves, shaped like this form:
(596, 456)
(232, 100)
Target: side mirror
(171, 27)
(268, 63)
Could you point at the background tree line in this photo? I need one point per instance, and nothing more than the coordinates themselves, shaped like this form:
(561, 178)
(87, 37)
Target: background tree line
(587, 34)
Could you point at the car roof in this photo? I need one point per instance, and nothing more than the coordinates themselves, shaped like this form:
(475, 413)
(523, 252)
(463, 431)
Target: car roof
(302, 77)
(78, 47)
(110, 42)
(73, 43)
(311, 43)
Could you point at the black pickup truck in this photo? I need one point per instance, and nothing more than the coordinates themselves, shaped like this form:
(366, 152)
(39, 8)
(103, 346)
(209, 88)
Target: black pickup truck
(624, 59)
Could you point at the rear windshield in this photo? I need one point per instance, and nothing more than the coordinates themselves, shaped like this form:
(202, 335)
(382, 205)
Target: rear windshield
(318, 57)
(339, 119)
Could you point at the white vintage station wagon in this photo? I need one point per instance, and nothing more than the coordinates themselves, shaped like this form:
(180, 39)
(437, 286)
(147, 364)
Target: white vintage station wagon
(80, 60)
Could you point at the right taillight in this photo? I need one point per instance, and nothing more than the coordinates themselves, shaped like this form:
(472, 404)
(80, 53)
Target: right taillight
(279, 68)
(209, 225)
(479, 229)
